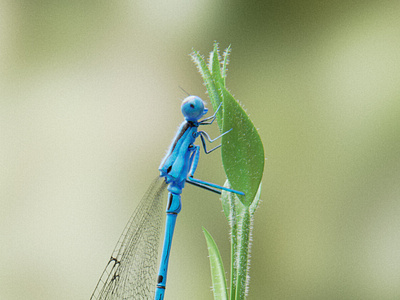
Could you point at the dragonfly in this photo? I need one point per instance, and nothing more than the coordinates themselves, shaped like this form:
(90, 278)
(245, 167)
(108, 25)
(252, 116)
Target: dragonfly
(130, 272)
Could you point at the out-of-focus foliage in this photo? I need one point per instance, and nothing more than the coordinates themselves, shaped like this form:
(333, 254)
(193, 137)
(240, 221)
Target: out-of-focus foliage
(90, 100)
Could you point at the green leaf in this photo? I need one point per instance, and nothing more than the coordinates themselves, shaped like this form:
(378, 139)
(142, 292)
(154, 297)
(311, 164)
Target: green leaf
(225, 63)
(242, 150)
(256, 200)
(215, 66)
(210, 84)
(217, 268)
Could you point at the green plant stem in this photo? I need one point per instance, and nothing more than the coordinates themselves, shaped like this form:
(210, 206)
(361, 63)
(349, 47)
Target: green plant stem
(243, 159)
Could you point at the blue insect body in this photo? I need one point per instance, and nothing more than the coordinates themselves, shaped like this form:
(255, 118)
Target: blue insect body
(175, 165)
(132, 263)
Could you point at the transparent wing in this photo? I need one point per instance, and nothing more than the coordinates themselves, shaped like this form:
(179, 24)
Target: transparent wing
(131, 270)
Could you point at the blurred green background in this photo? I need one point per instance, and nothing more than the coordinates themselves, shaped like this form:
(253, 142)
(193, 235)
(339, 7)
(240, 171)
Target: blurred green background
(90, 100)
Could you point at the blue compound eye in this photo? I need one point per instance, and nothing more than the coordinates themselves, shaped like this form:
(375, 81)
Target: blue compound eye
(193, 108)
